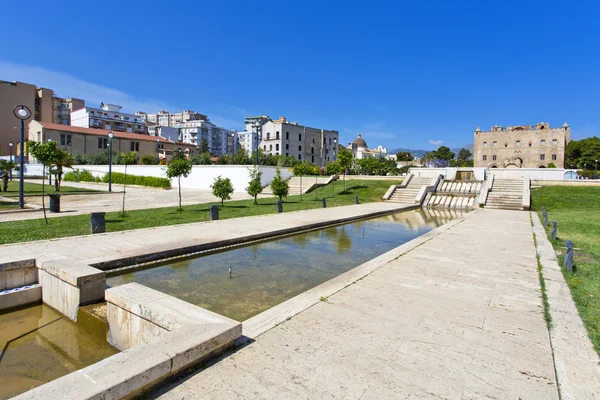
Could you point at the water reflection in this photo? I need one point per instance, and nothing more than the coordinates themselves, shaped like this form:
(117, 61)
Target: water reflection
(39, 345)
(269, 273)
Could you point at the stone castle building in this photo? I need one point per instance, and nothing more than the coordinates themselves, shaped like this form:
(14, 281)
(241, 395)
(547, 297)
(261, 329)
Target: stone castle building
(522, 146)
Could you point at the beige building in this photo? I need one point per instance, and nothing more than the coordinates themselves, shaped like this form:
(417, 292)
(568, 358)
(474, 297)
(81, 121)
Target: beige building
(359, 149)
(42, 102)
(522, 146)
(283, 137)
(109, 117)
(79, 140)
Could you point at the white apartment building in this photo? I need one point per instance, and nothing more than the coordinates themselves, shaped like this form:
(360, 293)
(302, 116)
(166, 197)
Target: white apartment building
(166, 118)
(220, 141)
(108, 117)
(282, 137)
(247, 141)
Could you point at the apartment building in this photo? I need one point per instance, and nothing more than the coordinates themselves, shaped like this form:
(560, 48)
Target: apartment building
(108, 117)
(521, 146)
(166, 118)
(283, 137)
(83, 140)
(43, 103)
(220, 141)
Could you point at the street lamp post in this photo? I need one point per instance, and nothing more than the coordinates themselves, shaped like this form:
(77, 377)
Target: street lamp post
(584, 169)
(110, 137)
(407, 160)
(11, 144)
(49, 169)
(23, 113)
(596, 173)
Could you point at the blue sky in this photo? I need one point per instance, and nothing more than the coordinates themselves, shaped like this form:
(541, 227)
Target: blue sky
(404, 74)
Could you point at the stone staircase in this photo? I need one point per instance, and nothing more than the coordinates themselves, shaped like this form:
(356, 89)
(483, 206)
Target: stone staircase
(407, 194)
(506, 194)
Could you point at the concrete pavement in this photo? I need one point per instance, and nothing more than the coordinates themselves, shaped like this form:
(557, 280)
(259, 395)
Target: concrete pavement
(458, 317)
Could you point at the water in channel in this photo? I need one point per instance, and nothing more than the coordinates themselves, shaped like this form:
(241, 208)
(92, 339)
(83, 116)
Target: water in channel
(268, 273)
(38, 345)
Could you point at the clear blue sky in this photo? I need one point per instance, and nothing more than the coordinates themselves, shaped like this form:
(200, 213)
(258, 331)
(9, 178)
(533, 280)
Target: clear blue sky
(402, 74)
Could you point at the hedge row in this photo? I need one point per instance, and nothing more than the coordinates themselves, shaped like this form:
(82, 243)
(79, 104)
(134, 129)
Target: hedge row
(151, 181)
(78, 175)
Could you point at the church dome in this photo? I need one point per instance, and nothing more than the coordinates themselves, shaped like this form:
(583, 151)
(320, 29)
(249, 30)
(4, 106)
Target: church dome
(359, 142)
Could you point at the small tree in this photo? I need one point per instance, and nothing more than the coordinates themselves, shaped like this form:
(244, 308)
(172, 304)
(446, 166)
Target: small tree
(149, 160)
(6, 166)
(178, 168)
(203, 147)
(127, 159)
(254, 186)
(300, 170)
(279, 186)
(222, 188)
(333, 168)
(47, 154)
(344, 158)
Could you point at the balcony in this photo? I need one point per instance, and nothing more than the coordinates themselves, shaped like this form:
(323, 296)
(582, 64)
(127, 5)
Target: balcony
(95, 123)
(120, 127)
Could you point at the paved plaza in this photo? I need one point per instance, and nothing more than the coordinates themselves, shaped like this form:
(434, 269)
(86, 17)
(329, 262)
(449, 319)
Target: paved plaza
(458, 317)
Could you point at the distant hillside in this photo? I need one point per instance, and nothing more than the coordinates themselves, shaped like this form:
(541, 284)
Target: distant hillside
(421, 153)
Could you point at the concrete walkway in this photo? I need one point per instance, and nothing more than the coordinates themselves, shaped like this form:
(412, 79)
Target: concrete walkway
(137, 198)
(458, 317)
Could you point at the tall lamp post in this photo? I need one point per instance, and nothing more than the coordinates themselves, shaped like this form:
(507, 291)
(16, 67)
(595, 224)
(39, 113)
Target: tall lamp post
(49, 169)
(257, 128)
(584, 169)
(596, 173)
(110, 137)
(407, 161)
(158, 149)
(11, 144)
(23, 113)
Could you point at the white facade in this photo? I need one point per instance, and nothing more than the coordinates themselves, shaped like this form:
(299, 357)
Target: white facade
(108, 117)
(360, 150)
(220, 141)
(166, 118)
(247, 141)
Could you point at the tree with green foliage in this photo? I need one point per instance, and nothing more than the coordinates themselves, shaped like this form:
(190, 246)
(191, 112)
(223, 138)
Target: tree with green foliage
(202, 159)
(178, 154)
(584, 151)
(6, 166)
(223, 159)
(178, 168)
(344, 159)
(404, 156)
(551, 165)
(203, 147)
(279, 186)
(222, 188)
(127, 159)
(45, 153)
(369, 165)
(463, 159)
(241, 157)
(254, 186)
(149, 159)
(301, 169)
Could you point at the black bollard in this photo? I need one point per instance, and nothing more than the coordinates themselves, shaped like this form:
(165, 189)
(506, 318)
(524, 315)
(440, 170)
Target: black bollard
(355, 199)
(279, 206)
(545, 215)
(97, 222)
(214, 212)
(569, 256)
(543, 209)
(323, 203)
(554, 228)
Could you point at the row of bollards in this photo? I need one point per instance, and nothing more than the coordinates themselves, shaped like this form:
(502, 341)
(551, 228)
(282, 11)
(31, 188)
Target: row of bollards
(568, 243)
(98, 221)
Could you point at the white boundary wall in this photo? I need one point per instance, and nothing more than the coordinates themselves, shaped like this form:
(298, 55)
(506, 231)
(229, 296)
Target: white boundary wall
(202, 176)
(540, 174)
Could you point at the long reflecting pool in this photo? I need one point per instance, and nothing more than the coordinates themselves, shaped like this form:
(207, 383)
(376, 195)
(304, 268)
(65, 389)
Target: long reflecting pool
(38, 345)
(268, 273)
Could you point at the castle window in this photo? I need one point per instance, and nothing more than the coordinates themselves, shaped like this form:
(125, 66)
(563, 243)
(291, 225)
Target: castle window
(554, 142)
(553, 157)
(493, 158)
(484, 158)
(542, 142)
(494, 144)
(505, 144)
(542, 157)
(529, 144)
(484, 144)
(518, 143)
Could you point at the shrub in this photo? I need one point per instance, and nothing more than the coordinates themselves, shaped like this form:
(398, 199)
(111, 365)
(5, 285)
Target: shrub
(78, 175)
(279, 187)
(149, 160)
(150, 181)
(222, 188)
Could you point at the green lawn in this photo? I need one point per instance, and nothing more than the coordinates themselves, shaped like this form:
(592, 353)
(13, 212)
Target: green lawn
(577, 210)
(34, 189)
(23, 231)
(5, 205)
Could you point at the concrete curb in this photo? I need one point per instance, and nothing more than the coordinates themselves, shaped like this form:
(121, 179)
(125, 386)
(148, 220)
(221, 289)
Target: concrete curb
(272, 317)
(576, 363)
